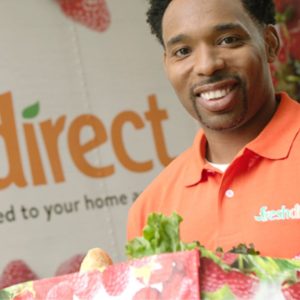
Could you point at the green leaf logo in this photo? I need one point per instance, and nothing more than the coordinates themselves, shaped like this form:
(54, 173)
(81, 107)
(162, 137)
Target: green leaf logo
(31, 111)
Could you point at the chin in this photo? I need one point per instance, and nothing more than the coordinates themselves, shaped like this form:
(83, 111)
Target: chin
(223, 125)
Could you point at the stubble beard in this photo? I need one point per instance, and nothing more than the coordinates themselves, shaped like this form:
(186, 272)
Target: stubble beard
(224, 120)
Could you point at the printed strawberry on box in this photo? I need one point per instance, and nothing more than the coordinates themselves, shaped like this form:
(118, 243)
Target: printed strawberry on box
(194, 274)
(164, 276)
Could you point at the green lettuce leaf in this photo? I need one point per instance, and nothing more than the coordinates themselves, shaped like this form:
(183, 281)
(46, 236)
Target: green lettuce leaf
(160, 235)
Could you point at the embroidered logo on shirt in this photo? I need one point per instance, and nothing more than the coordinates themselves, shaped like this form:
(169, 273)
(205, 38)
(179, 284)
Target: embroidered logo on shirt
(283, 213)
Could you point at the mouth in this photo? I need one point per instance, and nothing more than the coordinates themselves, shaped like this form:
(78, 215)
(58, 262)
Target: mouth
(215, 94)
(217, 97)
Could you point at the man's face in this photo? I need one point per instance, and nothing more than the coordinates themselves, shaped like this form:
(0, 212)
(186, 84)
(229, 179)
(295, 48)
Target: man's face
(217, 61)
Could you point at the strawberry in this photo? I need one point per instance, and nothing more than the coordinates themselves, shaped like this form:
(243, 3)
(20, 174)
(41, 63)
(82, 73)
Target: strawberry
(138, 263)
(164, 271)
(228, 257)
(179, 287)
(87, 285)
(188, 266)
(69, 266)
(42, 287)
(62, 290)
(243, 286)
(292, 292)
(115, 279)
(91, 13)
(17, 271)
(26, 295)
(212, 276)
(147, 293)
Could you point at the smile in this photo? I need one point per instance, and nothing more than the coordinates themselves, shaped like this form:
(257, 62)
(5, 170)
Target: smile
(213, 95)
(218, 97)
(215, 91)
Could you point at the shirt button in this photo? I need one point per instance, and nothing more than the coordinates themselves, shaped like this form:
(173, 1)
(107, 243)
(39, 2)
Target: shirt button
(229, 193)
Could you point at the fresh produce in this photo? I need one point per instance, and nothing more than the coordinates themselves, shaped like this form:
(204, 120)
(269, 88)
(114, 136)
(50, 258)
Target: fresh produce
(71, 265)
(239, 274)
(95, 259)
(93, 14)
(162, 267)
(15, 272)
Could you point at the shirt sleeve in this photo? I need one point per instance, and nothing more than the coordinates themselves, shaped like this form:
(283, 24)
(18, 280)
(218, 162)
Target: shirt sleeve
(134, 223)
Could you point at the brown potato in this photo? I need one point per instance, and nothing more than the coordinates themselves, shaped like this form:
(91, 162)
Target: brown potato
(95, 259)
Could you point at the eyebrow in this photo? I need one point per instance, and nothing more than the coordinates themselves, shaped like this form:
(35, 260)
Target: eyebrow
(176, 39)
(218, 28)
(228, 26)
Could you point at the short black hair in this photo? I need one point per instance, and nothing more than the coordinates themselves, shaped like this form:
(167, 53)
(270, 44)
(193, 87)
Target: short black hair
(262, 11)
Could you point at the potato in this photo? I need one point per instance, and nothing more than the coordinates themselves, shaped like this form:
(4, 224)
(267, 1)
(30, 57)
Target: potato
(95, 259)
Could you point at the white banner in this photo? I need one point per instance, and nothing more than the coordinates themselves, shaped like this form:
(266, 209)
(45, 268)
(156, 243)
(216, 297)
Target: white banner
(87, 120)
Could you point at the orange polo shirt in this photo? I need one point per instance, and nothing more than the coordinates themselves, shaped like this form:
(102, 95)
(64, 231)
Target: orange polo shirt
(256, 200)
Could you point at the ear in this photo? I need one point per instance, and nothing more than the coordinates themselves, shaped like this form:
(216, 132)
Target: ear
(272, 41)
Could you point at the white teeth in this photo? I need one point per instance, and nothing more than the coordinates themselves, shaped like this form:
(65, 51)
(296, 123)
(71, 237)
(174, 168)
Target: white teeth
(215, 94)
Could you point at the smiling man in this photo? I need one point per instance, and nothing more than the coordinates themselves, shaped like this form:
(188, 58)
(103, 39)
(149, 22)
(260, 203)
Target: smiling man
(243, 168)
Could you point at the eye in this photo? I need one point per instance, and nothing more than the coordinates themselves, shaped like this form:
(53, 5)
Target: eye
(182, 52)
(230, 40)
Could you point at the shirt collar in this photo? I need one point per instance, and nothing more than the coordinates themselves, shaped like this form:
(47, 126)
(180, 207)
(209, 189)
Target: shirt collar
(196, 164)
(274, 142)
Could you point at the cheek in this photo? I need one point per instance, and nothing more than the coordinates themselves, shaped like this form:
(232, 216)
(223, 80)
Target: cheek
(251, 65)
(178, 80)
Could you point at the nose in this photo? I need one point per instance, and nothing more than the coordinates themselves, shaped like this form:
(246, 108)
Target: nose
(207, 61)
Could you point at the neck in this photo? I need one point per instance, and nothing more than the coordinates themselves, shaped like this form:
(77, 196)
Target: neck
(223, 146)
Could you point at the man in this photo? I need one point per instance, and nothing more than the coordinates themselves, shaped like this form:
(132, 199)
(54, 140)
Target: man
(239, 181)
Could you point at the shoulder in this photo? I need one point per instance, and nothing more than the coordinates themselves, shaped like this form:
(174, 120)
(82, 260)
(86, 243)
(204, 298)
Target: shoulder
(157, 195)
(173, 172)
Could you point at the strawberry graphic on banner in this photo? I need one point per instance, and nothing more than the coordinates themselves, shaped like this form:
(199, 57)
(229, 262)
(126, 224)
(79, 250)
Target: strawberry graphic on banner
(94, 14)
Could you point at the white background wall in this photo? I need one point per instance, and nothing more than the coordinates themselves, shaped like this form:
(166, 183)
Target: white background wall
(71, 70)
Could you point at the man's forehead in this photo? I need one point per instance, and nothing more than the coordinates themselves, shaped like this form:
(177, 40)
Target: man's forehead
(181, 13)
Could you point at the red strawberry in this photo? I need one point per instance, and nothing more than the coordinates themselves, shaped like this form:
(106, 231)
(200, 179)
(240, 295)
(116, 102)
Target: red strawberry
(178, 287)
(188, 266)
(212, 276)
(15, 272)
(138, 263)
(229, 258)
(292, 292)
(62, 290)
(26, 295)
(115, 279)
(91, 13)
(147, 293)
(69, 266)
(42, 287)
(164, 271)
(87, 285)
(243, 286)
